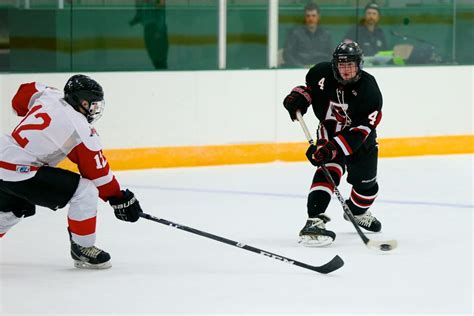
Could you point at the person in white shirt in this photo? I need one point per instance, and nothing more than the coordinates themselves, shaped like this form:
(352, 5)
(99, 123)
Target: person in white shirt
(57, 125)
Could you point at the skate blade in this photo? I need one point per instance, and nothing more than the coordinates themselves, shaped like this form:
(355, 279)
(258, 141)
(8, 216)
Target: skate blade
(86, 265)
(315, 241)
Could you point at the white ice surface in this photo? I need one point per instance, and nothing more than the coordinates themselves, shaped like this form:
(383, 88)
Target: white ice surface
(426, 203)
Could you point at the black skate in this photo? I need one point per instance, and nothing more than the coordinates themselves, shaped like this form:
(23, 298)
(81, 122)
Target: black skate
(89, 257)
(315, 234)
(367, 221)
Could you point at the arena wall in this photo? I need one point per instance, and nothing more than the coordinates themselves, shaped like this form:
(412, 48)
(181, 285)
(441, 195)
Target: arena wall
(178, 118)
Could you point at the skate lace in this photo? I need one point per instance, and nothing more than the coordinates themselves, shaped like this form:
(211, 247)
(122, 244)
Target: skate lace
(365, 219)
(91, 251)
(319, 223)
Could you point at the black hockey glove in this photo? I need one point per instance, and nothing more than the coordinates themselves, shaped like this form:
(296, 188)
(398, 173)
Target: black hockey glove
(126, 208)
(325, 151)
(298, 99)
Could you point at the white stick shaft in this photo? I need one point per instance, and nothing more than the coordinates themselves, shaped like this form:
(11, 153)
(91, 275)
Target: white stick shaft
(299, 117)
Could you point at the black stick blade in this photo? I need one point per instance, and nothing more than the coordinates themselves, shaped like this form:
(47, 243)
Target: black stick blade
(329, 267)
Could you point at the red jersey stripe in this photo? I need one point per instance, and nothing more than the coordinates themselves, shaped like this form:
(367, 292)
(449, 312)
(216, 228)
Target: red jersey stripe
(336, 170)
(14, 167)
(344, 142)
(363, 131)
(111, 189)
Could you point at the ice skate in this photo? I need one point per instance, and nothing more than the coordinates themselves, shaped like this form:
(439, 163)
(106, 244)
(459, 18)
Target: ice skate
(89, 257)
(314, 233)
(367, 221)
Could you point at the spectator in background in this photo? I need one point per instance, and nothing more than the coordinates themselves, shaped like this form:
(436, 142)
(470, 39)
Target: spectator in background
(151, 13)
(307, 44)
(368, 34)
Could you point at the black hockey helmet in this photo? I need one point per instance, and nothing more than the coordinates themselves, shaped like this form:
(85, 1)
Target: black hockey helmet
(344, 53)
(79, 88)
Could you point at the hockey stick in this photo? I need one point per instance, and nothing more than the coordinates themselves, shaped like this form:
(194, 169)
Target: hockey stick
(374, 244)
(329, 267)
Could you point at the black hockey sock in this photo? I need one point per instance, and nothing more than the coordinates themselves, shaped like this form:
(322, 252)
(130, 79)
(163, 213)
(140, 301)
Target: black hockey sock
(321, 190)
(318, 201)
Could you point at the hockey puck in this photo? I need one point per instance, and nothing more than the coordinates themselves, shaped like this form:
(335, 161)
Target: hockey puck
(385, 247)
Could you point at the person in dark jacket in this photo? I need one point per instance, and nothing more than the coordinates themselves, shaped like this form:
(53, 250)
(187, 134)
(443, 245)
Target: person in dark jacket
(307, 44)
(368, 34)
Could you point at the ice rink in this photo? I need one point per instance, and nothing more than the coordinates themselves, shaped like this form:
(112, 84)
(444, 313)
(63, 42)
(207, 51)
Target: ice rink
(426, 203)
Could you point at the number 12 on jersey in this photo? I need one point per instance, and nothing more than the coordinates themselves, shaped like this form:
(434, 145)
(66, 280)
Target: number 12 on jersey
(38, 125)
(100, 160)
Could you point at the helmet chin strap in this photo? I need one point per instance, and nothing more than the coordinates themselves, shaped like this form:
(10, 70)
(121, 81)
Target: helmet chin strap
(82, 109)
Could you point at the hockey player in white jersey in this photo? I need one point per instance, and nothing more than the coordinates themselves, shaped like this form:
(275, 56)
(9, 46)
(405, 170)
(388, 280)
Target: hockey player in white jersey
(56, 125)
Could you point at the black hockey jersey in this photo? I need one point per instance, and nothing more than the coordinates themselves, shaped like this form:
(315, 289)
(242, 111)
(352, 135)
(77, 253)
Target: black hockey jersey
(348, 114)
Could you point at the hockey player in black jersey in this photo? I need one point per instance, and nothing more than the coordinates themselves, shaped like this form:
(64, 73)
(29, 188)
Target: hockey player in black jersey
(347, 102)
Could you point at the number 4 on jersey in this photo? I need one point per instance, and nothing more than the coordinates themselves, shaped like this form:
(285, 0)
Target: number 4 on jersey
(373, 118)
(321, 84)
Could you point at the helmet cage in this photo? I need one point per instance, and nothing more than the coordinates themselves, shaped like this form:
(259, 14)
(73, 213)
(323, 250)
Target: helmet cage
(346, 53)
(95, 100)
(96, 110)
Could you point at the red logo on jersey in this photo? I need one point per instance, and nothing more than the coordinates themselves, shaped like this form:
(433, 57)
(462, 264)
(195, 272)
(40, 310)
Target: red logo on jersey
(93, 132)
(339, 114)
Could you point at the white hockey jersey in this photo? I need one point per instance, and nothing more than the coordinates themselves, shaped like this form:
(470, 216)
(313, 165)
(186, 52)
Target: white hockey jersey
(51, 130)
